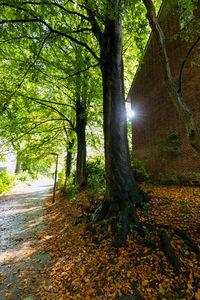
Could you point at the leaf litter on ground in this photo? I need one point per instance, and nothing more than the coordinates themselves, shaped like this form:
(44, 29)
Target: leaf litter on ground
(82, 269)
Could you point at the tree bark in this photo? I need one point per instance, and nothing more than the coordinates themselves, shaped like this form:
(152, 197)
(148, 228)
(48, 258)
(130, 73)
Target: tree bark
(192, 129)
(18, 166)
(81, 120)
(68, 161)
(122, 193)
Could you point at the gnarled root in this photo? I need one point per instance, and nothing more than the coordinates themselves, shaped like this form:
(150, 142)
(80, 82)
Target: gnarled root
(120, 218)
(169, 251)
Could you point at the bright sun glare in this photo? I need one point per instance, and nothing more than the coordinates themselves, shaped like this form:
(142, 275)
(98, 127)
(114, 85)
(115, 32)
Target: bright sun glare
(130, 113)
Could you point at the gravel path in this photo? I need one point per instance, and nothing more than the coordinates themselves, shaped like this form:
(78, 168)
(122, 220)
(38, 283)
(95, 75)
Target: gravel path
(22, 267)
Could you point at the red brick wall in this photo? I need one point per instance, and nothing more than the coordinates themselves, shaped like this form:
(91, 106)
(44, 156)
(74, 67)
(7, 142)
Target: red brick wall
(155, 112)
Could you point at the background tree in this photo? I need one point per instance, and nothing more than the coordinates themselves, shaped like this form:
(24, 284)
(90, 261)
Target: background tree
(55, 82)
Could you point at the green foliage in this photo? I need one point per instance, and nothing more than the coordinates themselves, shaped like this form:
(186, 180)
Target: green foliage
(136, 32)
(169, 143)
(169, 178)
(139, 171)
(167, 149)
(96, 178)
(60, 184)
(188, 23)
(173, 136)
(186, 11)
(7, 181)
(96, 167)
(61, 175)
(46, 101)
(38, 61)
(192, 178)
(23, 176)
(41, 168)
(72, 193)
(71, 189)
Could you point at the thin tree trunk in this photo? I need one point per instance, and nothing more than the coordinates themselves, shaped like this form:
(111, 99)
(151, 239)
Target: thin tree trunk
(18, 166)
(192, 129)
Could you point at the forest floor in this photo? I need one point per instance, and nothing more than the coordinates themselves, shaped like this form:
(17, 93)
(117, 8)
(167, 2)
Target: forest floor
(78, 268)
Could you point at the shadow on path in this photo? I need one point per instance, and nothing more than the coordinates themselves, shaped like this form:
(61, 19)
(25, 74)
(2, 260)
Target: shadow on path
(23, 268)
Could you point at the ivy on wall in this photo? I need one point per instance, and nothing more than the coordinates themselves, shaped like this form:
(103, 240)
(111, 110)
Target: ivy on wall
(170, 143)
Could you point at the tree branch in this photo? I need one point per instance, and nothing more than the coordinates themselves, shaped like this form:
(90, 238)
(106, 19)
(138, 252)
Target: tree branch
(95, 27)
(47, 101)
(79, 72)
(57, 5)
(77, 42)
(31, 65)
(60, 113)
(81, 30)
(183, 64)
(19, 21)
(54, 30)
(18, 38)
(192, 129)
(47, 140)
(50, 130)
(28, 131)
(65, 130)
(55, 85)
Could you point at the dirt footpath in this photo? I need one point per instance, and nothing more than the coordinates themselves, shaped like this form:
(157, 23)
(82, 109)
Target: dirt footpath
(22, 267)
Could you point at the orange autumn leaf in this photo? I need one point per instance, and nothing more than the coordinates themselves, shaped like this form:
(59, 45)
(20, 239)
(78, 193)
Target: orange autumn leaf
(145, 282)
(197, 294)
(90, 291)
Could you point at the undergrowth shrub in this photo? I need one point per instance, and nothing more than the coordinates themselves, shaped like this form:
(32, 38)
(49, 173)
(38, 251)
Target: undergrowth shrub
(71, 189)
(96, 178)
(191, 178)
(34, 175)
(60, 180)
(23, 176)
(139, 171)
(72, 193)
(184, 179)
(7, 181)
(168, 179)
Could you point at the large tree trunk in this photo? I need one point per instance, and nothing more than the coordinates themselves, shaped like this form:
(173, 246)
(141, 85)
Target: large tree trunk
(81, 121)
(192, 129)
(68, 161)
(122, 193)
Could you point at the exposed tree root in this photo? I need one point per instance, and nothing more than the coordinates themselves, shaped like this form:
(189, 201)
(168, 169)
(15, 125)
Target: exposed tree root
(184, 235)
(110, 219)
(145, 197)
(188, 241)
(119, 218)
(160, 229)
(126, 219)
(169, 251)
(121, 225)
